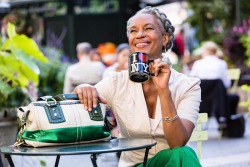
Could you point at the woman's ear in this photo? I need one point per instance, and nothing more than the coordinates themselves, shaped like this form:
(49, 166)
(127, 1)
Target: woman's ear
(165, 39)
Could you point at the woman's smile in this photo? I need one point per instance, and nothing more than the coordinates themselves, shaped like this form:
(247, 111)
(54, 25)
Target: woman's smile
(142, 44)
(145, 35)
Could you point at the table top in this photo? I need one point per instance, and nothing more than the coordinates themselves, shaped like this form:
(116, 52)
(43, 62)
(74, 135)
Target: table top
(113, 145)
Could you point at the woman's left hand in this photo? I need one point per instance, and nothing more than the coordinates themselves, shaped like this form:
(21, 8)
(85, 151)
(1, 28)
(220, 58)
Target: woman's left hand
(162, 72)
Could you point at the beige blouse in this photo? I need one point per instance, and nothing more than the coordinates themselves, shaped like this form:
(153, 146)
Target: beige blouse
(127, 101)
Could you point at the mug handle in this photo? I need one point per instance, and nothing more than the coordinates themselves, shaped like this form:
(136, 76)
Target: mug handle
(150, 61)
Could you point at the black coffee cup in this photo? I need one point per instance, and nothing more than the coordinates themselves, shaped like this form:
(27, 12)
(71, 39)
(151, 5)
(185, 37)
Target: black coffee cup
(139, 67)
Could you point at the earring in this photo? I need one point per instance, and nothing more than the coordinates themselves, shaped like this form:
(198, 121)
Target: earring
(165, 49)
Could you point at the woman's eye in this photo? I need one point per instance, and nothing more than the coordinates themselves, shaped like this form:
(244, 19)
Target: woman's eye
(131, 31)
(149, 28)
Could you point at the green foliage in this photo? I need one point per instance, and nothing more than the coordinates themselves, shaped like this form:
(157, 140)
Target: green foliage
(245, 40)
(52, 73)
(210, 18)
(18, 69)
(246, 103)
(213, 18)
(103, 6)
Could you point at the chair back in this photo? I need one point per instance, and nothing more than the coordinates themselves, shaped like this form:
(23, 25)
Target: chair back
(234, 74)
(198, 134)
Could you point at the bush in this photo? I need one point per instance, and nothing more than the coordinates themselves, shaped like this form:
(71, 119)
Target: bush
(53, 73)
(19, 72)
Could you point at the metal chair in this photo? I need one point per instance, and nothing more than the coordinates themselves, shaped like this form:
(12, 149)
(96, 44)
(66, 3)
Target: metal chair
(234, 75)
(198, 134)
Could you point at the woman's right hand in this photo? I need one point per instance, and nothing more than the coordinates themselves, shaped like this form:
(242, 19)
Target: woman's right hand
(89, 96)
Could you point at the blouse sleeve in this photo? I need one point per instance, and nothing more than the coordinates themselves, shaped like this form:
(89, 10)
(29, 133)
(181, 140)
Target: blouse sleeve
(189, 100)
(106, 88)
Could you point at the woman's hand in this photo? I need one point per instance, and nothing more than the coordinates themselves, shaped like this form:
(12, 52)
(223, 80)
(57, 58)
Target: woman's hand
(89, 96)
(162, 73)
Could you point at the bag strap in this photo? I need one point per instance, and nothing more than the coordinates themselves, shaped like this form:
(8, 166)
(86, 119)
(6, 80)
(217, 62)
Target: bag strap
(66, 96)
(25, 111)
(60, 97)
(44, 98)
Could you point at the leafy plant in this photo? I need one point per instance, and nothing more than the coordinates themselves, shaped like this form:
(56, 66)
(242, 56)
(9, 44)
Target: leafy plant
(246, 103)
(52, 73)
(18, 69)
(245, 40)
(237, 48)
(234, 49)
(214, 18)
(210, 18)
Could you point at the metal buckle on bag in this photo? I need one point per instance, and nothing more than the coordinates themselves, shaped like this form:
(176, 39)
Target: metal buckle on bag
(50, 100)
(54, 111)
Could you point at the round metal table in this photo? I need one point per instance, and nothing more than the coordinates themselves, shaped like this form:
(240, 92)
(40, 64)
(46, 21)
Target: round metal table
(113, 145)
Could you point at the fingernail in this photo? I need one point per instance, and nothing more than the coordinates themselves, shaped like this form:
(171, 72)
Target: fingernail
(90, 109)
(94, 106)
(86, 108)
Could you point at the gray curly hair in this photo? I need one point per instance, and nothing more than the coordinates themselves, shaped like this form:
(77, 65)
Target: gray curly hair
(163, 21)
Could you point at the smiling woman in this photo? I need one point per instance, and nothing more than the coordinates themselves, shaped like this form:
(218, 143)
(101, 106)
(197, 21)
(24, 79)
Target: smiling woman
(165, 107)
(145, 35)
(151, 23)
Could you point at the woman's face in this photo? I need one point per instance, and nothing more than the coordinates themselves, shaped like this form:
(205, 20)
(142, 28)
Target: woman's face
(145, 35)
(122, 58)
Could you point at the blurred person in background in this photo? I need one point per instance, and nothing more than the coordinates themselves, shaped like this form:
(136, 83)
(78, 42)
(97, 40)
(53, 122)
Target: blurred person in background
(210, 66)
(187, 64)
(189, 59)
(122, 54)
(84, 71)
(96, 56)
(107, 51)
(215, 99)
(179, 44)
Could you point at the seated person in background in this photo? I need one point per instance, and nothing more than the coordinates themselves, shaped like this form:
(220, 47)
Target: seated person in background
(210, 66)
(107, 52)
(95, 55)
(122, 54)
(187, 63)
(84, 71)
(164, 108)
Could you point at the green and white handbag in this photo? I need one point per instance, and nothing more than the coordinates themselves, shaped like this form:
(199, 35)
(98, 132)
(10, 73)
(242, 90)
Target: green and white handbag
(60, 120)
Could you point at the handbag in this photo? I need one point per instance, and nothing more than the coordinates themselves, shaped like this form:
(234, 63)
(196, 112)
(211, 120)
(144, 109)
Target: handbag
(236, 126)
(60, 120)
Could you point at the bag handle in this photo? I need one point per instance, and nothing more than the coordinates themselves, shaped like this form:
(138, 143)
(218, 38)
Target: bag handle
(19, 140)
(66, 96)
(71, 96)
(60, 97)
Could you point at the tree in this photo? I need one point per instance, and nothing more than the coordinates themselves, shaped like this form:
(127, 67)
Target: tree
(214, 18)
